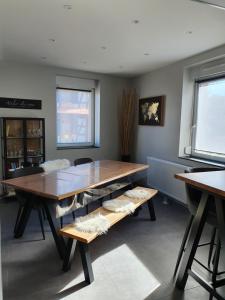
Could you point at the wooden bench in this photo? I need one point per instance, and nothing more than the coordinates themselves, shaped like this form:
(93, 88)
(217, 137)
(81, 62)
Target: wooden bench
(84, 238)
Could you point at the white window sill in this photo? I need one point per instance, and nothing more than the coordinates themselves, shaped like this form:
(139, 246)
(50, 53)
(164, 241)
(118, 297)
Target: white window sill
(204, 161)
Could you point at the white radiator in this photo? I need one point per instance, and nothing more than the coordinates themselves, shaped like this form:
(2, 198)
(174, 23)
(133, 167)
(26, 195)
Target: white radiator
(161, 177)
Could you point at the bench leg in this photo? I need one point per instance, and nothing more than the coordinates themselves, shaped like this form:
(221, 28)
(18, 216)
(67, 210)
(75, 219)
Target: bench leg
(151, 210)
(136, 213)
(86, 262)
(70, 249)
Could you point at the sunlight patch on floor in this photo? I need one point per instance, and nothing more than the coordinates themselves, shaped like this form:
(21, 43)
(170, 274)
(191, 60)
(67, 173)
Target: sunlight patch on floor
(121, 271)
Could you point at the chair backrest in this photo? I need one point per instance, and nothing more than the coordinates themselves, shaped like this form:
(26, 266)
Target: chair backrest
(22, 195)
(26, 164)
(27, 171)
(193, 194)
(82, 160)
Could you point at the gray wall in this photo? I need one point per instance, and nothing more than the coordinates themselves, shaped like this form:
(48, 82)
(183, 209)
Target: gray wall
(39, 82)
(163, 142)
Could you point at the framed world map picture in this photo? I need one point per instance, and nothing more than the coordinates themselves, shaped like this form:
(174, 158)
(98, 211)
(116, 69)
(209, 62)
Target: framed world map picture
(151, 111)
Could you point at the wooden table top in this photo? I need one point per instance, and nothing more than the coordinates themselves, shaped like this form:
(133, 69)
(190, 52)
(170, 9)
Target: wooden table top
(212, 182)
(67, 182)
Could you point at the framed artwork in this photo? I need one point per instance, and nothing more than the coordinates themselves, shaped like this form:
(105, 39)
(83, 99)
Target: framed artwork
(151, 111)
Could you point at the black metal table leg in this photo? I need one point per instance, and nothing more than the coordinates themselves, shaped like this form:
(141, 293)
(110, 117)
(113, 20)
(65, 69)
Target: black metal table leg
(182, 247)
(59, 241)
(212, 244)
(18, 217)
(86, 262)
(193, 240)
(39, 211)
(70, 249)
(220, 220)
(206, 285)
(22, 222)
(220, 213)
(151, 210)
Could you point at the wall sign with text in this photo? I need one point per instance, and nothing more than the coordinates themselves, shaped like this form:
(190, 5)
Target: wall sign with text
(20, 103)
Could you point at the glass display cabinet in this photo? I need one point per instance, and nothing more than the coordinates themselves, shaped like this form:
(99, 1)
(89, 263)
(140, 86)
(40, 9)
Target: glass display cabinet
(23, 143)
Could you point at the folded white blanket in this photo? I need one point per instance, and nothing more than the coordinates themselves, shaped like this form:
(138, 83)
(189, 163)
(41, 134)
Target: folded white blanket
(57, 164)
(62, 211)
(92, 223)
(118, 205)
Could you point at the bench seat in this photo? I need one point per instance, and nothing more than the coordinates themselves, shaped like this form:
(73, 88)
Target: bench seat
(70, 231)
(84, 238)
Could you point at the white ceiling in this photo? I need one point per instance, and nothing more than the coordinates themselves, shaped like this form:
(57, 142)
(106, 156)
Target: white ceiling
(80, 33)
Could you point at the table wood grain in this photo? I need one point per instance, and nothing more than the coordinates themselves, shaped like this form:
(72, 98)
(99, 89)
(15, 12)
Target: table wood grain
(213, 182)
(67, 182)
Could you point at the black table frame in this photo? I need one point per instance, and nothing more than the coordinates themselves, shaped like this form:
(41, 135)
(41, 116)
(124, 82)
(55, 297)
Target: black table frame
(193, 241)
(53, 222)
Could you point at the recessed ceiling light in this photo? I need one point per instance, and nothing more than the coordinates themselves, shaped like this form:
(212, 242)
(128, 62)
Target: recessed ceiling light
(52, 40)
(84, 62)
(121, 67)
(135, 21)
(189, 32)
(67, 6)
(43, 57)
(103, 47)
(146, 54)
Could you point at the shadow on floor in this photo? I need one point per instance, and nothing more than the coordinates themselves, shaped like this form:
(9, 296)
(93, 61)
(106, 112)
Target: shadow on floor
(34, 268)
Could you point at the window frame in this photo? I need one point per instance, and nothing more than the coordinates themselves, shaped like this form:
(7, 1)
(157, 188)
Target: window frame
(214, 157)
(61, 146)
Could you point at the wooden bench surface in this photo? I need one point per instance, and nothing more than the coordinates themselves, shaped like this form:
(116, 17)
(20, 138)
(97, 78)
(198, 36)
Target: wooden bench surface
(71, 232)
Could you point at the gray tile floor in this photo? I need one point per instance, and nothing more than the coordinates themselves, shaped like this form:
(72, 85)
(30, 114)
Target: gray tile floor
(134, 261)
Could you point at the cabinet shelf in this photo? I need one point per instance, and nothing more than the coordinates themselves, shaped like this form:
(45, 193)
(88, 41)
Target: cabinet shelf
(24, 137)
(13, 157)
(34, 137)
(13, 137)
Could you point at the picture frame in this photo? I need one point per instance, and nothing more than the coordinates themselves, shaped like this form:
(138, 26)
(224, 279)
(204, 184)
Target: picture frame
(152, 111)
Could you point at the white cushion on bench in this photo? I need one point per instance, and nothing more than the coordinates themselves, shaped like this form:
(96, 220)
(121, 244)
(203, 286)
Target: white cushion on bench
(137, 194)
(118, 205)
(92, 223)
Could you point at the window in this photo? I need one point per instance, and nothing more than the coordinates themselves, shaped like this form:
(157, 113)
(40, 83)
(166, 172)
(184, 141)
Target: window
(75, 117)
(208, 140)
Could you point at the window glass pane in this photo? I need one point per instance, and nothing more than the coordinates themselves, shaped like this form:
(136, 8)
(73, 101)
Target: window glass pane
(74, 117)
(210, 131)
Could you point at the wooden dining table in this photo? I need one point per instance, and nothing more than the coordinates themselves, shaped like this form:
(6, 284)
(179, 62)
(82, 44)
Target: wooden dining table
(211, 184)
(56, 186)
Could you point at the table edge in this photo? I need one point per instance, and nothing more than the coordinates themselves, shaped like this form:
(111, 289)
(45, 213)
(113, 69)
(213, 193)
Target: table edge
(201, 186)
(141, 167)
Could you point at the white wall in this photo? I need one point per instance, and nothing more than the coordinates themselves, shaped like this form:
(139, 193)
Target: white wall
(163, 142)
(39, 82)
